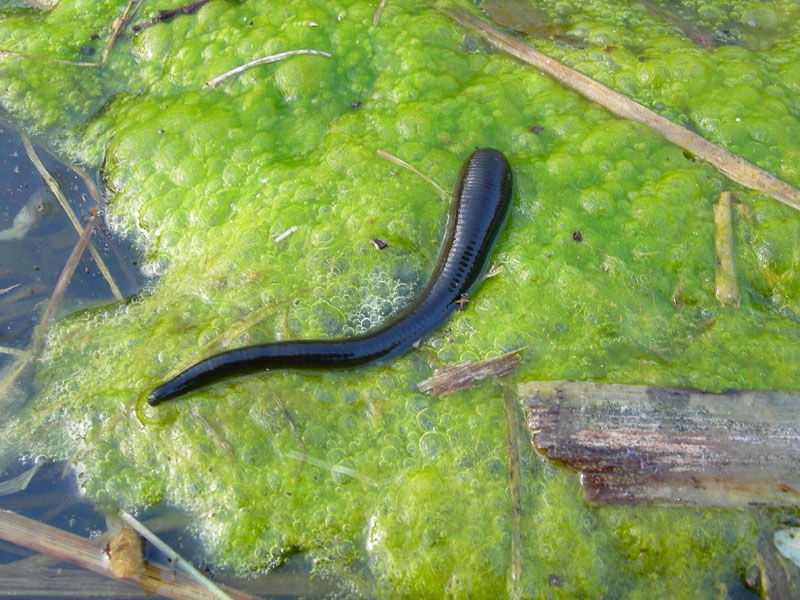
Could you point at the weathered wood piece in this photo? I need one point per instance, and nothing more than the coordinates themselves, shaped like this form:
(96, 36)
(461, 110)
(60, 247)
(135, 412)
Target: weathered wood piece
(453, 378)
(668, 446)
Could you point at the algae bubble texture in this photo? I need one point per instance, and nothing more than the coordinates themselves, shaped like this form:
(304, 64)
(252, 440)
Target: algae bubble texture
(409, 488)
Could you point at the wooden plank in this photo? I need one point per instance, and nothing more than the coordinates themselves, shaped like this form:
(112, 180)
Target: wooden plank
(670, 446)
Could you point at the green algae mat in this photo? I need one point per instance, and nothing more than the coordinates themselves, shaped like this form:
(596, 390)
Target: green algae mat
(605, 273)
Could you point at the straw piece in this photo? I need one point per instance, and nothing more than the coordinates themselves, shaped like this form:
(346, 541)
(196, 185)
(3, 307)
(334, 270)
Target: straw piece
(53, 185)
(515, 484)
(400, 162)
(731, 165)
(9, 288)
(174, 556)
(285, 234)
(264, 60)
(331, 467)
(378, 12)
(60, 61)
(66, 275)
(727, 287)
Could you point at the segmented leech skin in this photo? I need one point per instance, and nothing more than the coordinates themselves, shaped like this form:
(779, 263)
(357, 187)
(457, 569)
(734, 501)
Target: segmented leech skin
(478, 212)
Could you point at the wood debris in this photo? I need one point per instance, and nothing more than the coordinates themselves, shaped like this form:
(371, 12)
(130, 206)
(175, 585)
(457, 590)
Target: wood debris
(452, 378)
(670, 446)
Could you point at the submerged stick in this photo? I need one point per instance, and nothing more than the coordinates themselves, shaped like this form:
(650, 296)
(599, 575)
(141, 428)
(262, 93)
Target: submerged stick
(66, 276)
(62, 200)
(727, 287)
(731, 165)
(166, 15)
(264, 60)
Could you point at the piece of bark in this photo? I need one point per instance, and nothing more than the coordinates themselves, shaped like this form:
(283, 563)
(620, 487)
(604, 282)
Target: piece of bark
(670, 446)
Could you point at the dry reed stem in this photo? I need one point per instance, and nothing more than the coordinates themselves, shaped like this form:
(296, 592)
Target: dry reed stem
(515, 483)
(731, 165)
(725, 282)
(53, 185)
(66, 276)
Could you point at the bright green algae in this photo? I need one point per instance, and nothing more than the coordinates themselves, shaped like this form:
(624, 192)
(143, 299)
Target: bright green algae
(412, 488)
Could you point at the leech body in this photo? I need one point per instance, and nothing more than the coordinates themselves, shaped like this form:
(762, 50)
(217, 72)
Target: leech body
(478, 211)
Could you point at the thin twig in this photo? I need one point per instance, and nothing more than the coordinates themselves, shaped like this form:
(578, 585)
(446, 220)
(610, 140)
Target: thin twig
(405, 165)
(166, 15)
(264, 60)
(174, 556)
(53, 185)
(221, 442)
(66, 275)
(378, 12)
(118, 26)
(731, 165)
(515, 483)
(52, 306)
